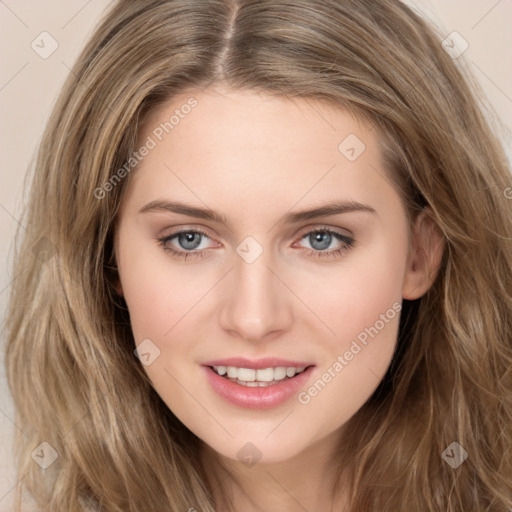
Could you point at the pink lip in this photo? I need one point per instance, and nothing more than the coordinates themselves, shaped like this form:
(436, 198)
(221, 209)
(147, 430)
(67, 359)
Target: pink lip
(256, 364)
(257, 398)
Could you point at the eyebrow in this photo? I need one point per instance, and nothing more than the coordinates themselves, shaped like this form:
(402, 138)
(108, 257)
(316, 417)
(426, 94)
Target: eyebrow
(290, 218)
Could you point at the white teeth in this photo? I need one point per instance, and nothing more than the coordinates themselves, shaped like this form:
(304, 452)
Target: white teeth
(256, 377)
(246, 374)
(266, 375)
(254, 384)
(290, 372)
(232, 372)
(279, 373)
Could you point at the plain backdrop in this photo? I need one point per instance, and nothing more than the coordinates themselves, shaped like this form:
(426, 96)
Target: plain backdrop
(30, 81)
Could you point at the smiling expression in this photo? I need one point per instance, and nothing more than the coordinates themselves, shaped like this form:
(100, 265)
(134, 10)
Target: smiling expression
(266, 230)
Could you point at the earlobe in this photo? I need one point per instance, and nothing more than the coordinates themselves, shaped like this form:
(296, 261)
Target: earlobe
(118, 287)
(424, 260)
(116, 282)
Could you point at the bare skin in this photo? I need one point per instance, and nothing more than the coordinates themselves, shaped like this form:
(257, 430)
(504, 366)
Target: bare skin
(254, 159)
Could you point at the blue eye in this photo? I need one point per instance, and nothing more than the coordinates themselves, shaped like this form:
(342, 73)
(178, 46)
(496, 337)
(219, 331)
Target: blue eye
(187, 243)
(189, 240)
(321, 239)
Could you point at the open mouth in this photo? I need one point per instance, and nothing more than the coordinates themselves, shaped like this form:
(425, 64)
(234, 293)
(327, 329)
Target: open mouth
(258, 378)
(264, 386)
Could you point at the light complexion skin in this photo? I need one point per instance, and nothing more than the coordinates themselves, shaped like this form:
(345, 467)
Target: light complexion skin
(255, 159)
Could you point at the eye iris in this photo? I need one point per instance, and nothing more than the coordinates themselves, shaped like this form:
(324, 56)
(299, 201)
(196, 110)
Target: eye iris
(323, 239)
(189, 240)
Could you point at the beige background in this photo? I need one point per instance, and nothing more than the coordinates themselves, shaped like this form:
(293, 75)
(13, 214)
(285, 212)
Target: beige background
(29, 85)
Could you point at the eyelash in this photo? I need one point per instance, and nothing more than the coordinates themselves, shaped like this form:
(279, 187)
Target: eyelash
(348, 243)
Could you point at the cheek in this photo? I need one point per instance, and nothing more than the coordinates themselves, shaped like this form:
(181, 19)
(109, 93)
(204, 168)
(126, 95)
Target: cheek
(157, 290)
(160, 297)
(352, 296)
(361, 305)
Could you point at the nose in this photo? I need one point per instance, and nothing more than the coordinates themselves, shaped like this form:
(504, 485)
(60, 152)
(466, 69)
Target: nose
(255, 305)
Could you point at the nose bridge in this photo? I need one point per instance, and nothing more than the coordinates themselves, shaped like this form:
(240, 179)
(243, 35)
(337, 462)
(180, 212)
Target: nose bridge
(255, 303)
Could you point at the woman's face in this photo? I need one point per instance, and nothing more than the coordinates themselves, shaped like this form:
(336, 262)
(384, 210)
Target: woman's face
(293, 257)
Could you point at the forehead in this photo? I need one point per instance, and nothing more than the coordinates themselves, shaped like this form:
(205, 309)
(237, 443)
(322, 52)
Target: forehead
(245, 146)
(253, 121)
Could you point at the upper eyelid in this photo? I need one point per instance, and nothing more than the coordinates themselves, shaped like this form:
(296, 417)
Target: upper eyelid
(319, 227)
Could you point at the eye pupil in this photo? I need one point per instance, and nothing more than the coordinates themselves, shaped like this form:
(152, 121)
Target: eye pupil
(189, 240)
(320, 240)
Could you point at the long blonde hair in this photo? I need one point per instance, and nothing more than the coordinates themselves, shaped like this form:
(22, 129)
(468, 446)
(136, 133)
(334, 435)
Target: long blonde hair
(76, 383)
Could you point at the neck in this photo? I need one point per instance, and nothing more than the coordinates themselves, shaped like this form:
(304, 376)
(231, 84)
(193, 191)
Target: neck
(310, 480)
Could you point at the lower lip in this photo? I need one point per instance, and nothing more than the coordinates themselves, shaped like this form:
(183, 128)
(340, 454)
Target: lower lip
(257, 398)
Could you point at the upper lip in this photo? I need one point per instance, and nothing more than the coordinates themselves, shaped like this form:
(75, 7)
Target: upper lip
(257, 364)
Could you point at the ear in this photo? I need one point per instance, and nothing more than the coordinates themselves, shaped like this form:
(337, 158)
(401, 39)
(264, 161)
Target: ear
(118, 287)
(114, 268)
(425, 255)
